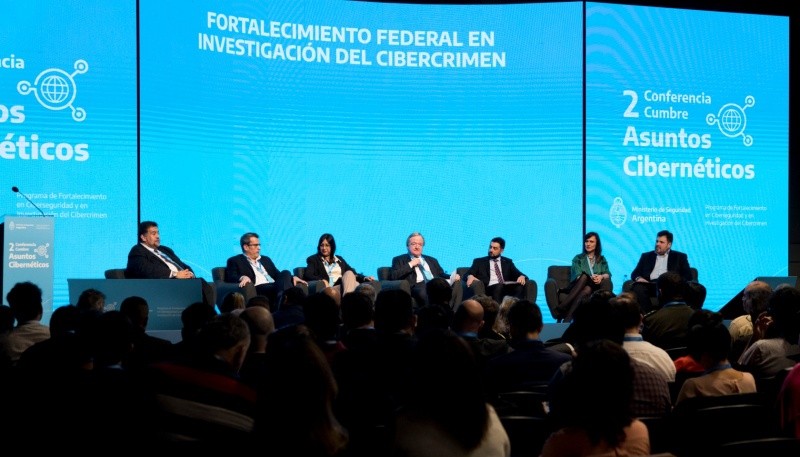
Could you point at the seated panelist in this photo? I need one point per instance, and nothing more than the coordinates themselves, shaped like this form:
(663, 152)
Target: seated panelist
(326, 266)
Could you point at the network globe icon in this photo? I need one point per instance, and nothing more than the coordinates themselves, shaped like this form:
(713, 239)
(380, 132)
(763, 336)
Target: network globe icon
(732, 120)
(55, 89)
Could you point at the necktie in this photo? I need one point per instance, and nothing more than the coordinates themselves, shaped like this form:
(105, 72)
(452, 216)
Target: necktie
(169, 260)
(497, 271)
(426, 275)
(261, 269)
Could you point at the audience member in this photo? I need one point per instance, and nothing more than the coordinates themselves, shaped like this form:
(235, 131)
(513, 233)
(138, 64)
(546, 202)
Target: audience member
(146, 349)
(530, 363)
(295, 410)
(417, 269)
(250, 267)
(25, 301)
(668, 326)
(653, 264)
(259, 322)
(333, 270)
(789, 403)
(711, 344)
(755, 298)
(490, 310)
(591, 406)
(447, 415)
(589, 272)
(369, 290)
(500, 326)
(148, 259)
(597, 319)
(774, 345)
(467, 323)
(627, 308)
(323, 320)
(233, 302)
(290, 311)
(201, 399)
(193, 318)
(259, 300)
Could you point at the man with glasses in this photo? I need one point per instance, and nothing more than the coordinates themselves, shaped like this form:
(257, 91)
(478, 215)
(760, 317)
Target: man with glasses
(250, 267)
(418, 269)
(149, 259)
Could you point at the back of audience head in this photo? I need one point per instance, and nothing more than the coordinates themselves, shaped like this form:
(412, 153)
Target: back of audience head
(259, 300)
(233, 302)
(394, 311)
(224, 337)
(91, 301)
(260, 323)
(64, 320)
(111, 335)
(490, 309)
(596, 393)
(25, 301)
(322, 316)
(433, 317)
(367, 290)
(334, 294)
(439, 292)
(671, 287)
(293, 296)
(194, 317)
(709, 336)
(137, 310)
(468, 318)
(501, 321)
(784, 308)
(296, 409)
(755, 298)
(357, 311)
(447, 389)
(524, 318)
(627, 308)
(597, 319)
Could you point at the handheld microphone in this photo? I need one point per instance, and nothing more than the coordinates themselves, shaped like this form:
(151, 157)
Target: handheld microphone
(15, 189)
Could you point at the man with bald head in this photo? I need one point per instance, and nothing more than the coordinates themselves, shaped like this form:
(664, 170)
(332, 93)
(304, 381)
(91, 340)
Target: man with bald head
(467, 323)
(260, 323)
(754, 302)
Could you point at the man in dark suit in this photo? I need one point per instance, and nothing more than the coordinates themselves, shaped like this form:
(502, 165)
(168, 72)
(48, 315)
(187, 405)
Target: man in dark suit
(418, 269)
(497, 276)
(251, 267)
(148, 259)
(653, 264)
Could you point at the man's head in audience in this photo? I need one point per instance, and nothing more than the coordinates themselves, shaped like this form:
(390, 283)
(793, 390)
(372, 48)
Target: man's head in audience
(468, 318)
(394, 312)
(25, 301)
(525, 321)
(755, 298)
(671, 287)
(91, 300)
(357, 311)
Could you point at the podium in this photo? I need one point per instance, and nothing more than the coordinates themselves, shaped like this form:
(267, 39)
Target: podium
(166, 298)
(28, 254)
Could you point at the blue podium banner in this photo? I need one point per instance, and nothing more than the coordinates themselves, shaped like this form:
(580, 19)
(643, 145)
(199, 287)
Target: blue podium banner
(28, 255)
(167, 298)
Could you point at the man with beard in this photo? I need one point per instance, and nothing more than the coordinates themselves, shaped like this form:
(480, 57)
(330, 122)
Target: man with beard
(497, 276)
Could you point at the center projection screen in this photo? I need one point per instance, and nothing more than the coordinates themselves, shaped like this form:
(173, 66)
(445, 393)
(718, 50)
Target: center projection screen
(368, 121)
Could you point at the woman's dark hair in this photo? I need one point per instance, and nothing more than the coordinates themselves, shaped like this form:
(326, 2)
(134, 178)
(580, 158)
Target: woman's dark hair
(595, 395)
(329, 238)
(447, 388)
(598, 248)
(708, 335)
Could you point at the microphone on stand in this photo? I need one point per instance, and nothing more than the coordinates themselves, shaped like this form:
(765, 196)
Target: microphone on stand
(15, 189)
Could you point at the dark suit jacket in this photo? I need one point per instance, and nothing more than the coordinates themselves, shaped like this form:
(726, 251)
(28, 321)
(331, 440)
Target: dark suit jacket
(401, 270)
(480, 269)
(238, 266)
(315, 269)
(143, 264)
(677, 261)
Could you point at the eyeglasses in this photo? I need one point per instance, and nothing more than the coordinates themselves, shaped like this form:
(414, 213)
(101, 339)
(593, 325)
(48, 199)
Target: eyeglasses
(254, 244)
